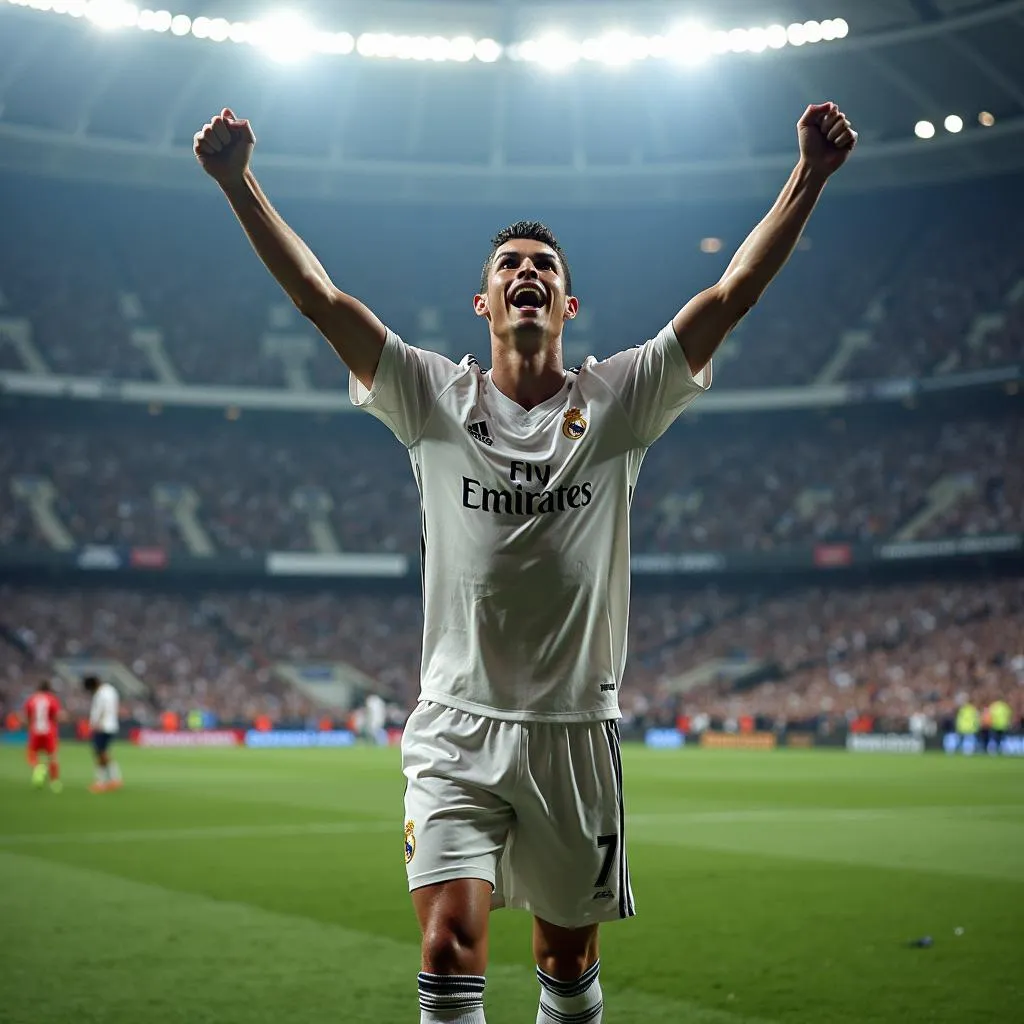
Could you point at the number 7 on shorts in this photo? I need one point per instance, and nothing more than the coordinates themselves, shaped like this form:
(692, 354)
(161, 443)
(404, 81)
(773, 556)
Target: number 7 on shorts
(611, 844)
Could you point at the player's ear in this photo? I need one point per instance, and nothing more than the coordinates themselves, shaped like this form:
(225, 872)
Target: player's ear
(480, 305)
(572, 307)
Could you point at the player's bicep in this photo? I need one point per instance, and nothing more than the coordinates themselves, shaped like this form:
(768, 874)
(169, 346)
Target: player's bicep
(351, 328)
(705, 322)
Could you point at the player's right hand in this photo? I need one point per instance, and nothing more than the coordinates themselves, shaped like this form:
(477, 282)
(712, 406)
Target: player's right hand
(224, 146)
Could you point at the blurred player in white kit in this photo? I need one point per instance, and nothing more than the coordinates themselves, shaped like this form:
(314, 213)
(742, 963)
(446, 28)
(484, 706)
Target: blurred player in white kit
(104, 724)
(526, 473)
(376, 712)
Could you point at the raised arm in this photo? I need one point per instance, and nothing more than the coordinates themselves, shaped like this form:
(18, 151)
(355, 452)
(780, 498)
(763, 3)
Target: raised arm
(223, 149)
(826, 140)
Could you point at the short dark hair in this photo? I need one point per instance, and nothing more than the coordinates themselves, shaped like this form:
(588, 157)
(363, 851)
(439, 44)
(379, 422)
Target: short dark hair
(535, 231)
(91, 683)
(44, 686)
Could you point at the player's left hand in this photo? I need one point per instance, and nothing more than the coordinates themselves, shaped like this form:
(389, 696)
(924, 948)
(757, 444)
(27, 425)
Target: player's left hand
(826, 137)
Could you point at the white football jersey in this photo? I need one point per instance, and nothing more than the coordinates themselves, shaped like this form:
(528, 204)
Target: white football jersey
(525, 544)
(103, 714)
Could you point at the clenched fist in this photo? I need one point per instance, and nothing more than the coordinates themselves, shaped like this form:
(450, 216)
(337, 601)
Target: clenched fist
(223, 147)
(826, 136)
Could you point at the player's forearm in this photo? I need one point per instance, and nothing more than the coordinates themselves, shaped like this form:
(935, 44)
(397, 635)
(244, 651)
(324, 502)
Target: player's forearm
(767, 248)
(282, 251)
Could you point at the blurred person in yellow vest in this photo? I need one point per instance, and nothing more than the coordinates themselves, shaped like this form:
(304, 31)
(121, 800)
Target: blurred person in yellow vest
(968, 722)
(1000, 721)
(985, 733)
(195, 719)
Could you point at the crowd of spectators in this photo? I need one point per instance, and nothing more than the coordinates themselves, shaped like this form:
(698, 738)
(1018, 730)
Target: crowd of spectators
(824, 657)
(833, 656)
(744, 490)
(914, 275)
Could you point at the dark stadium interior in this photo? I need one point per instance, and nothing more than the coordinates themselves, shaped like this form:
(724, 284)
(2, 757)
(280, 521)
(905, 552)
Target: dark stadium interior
(921, 270)
(915, 270)
(827, 549)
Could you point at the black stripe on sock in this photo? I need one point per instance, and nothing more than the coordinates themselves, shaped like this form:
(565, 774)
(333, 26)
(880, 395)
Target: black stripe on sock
(442, 984)
(568, 989)
(572, 1018)
(462, 1003)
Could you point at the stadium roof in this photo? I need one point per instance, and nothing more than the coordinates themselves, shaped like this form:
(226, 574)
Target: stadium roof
(121, 105)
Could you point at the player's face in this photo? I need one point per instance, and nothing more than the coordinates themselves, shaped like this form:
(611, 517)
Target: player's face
(526, 297)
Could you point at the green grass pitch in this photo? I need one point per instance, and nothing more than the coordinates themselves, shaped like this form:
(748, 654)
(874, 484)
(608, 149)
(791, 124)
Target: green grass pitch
(249, 887)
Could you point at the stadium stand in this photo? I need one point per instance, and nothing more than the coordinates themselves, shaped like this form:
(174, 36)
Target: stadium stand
(231, 489)
(896, 286)
(827, 657)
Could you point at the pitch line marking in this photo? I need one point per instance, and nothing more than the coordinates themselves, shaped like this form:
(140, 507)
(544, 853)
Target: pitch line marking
(325, 828)
(788, 816)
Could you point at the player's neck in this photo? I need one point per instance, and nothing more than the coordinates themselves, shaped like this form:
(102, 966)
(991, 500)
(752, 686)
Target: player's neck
(527, 377)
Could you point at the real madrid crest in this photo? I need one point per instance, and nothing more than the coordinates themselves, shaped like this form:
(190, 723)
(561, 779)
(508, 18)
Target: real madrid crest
(574, 426)
(410, 841)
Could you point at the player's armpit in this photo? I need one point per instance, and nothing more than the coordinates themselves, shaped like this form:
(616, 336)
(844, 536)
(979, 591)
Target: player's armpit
(351, 328)
(706, 320)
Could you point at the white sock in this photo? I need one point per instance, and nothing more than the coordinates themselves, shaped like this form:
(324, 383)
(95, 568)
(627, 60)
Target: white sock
(101, 774)
(113, 772)
(571, 1002)
(451, 998)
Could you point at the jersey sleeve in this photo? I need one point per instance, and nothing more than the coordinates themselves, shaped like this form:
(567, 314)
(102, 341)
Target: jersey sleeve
(653, 382)
(406, 386)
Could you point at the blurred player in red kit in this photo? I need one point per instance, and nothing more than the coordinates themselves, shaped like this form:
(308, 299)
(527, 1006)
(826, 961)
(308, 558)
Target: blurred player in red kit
(43, 713)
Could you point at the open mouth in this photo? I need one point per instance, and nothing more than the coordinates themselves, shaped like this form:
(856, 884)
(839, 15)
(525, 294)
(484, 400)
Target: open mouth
(527, 296)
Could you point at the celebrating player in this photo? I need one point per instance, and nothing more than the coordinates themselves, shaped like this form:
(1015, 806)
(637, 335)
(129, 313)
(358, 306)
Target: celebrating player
(42, 716)
(104, 723)
(526, 473)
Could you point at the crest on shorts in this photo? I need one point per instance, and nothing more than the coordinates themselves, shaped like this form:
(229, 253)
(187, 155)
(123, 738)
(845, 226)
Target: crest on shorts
(574, 426)
(410, 841)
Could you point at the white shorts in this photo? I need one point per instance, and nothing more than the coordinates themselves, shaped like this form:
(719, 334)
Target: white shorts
(533, 808)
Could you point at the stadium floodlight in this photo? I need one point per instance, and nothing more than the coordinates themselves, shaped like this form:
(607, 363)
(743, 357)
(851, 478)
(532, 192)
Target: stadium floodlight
(924, 129)
(439, 48)
(812, 31)
(334, 42)
(487, 51)
(757, 40)
(739, 40)
(155, 21)
(553, 50)
(219, 29)
(462, 48)
(109, 14)
(615, 49)
(284, 37)
(409, 47)
(954, 123)
(287, 36)
(691, 43)
(986, 120)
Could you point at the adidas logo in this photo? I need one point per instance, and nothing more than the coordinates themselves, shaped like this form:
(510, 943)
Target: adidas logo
(481, 433)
